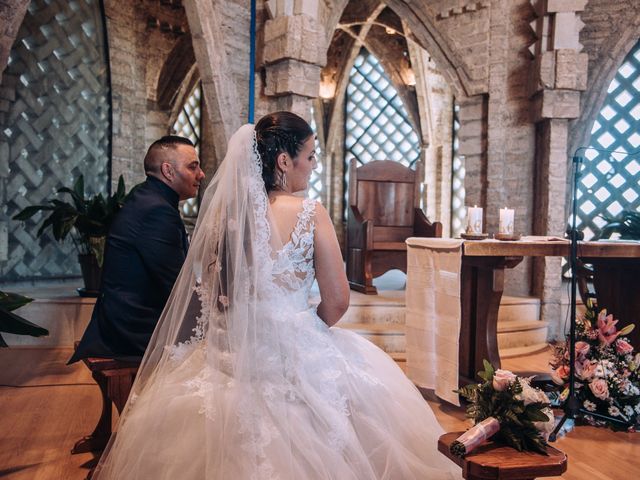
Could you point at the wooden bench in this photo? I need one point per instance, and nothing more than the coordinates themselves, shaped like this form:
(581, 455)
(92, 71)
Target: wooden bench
(496, 461)
(115, 378)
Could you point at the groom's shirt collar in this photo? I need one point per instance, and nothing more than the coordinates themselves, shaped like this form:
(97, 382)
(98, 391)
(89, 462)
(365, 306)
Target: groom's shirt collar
(165, 190)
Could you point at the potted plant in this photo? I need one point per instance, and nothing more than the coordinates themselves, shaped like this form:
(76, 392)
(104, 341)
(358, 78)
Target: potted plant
(87, 221)
(12, 323)
(627, 224)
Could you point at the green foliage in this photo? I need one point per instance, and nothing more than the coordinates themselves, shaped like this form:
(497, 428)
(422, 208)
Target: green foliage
(627, 224)
(516, 419)
(12, 323)
(87, 219)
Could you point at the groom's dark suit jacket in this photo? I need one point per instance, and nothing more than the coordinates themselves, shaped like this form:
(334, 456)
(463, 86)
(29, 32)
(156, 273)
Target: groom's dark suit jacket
(145, 250)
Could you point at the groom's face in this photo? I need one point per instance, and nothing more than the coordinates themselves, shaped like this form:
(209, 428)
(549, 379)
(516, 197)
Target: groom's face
(186, 173)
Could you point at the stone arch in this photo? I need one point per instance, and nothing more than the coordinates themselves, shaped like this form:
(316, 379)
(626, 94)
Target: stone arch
(427, 34)
(600, 75)
(444, 52)
(178, 67)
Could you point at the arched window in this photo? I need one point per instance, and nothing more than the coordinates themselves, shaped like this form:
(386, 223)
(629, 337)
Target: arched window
(458, 210)
(376, 122)
(188, 124)
(609, 181)
(315, 182)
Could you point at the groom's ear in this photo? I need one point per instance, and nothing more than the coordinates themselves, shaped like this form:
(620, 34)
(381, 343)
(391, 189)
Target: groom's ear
(283, 161)
(167, 170)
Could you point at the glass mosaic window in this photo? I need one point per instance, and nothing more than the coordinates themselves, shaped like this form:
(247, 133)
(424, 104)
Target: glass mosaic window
(377, 125)
(458, 211)
(315, 182)
(55, 125)
(188, 124)
(610, 180)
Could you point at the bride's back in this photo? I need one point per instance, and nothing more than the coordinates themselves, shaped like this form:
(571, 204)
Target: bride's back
(285, 210)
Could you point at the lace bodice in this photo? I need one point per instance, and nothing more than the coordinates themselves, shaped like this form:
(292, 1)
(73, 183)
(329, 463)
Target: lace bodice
(293, 269)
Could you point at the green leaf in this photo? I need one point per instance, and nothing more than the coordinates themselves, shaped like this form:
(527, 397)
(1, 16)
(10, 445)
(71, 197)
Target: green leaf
(78, 187)
(29, 212)
(120, 191)
(488, 372)
(535, 414)
(47, 223)
(12, 323)
(13, 301)
(77, 200)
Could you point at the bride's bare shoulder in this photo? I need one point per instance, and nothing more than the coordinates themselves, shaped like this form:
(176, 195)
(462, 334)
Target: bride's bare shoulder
(286, 203)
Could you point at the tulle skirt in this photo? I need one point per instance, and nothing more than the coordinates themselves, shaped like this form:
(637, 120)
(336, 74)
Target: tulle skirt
(346, 411)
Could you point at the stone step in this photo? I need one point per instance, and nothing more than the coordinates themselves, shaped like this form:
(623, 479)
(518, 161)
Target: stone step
(387, 307)
(521, 333)
(526, 350)
(518, 308)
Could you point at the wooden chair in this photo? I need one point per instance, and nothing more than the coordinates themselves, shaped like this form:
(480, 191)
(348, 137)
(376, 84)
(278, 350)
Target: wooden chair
(115, 379)
(384, 210)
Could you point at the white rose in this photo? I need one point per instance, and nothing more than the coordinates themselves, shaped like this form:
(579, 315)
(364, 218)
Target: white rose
(531, 395)
(502, 379)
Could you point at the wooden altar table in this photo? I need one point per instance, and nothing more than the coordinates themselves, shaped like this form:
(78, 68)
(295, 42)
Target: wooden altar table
(616, 281)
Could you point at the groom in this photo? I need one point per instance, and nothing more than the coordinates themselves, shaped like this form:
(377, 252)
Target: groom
(145, 250)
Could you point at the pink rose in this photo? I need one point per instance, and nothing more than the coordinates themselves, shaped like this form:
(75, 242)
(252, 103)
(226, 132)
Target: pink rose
(560, 374)
(623, 347)
(582, 348)
(502, 379)
(599, 388)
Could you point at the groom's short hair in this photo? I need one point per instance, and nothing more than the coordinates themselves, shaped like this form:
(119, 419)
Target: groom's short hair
(153, 159)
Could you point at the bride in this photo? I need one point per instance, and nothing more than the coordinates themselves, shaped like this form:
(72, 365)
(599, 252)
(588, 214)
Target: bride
(242, 378)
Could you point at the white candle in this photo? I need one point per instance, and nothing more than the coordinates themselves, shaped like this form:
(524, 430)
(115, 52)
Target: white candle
(474, 220)
(505, 227)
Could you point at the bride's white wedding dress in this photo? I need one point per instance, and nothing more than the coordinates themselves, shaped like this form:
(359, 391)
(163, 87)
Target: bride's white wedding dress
(318, 403)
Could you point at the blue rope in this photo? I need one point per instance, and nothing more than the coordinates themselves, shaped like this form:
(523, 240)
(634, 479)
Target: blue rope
(252, 61)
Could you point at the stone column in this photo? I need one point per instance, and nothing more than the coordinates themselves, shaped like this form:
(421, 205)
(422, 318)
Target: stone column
(558, 76)
(206, 22)
(11, 15)
(294, 54)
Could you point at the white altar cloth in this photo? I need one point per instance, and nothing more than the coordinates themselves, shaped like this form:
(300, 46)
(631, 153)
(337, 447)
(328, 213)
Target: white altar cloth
(433, 314)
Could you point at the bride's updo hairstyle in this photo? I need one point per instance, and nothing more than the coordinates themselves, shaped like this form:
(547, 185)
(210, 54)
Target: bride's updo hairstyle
(276, 133)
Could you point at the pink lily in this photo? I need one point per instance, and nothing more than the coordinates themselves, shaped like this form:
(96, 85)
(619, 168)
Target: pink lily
(607, 328)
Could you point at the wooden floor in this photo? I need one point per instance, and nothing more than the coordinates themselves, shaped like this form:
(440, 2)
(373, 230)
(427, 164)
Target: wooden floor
(46, 406)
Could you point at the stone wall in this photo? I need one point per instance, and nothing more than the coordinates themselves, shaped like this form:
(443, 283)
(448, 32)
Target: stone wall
(137, 52)
(521, 106)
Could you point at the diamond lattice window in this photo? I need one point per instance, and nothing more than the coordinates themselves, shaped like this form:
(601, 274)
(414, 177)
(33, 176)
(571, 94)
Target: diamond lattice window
(188, 124)
(315, 182)
(458, 211)
(609, 180)
(377, 125)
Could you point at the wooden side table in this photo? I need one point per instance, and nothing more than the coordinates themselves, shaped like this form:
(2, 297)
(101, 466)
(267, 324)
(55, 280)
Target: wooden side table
(495, 461)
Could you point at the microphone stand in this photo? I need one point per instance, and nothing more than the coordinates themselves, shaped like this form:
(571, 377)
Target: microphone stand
(571, 405)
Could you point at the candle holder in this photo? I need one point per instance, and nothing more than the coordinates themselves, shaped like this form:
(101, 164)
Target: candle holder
(508, 237)
(474, 236)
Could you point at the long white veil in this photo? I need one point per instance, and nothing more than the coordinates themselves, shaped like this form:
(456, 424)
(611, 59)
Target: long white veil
(217, 322)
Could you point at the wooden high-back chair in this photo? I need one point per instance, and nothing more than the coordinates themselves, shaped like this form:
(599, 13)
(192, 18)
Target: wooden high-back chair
(384, 210)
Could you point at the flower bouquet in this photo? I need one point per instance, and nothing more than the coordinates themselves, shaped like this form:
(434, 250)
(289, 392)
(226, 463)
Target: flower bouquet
(507, 408)
(607, 372)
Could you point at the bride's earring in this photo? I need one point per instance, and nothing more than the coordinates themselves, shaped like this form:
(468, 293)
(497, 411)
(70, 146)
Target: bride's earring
(282, 180)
